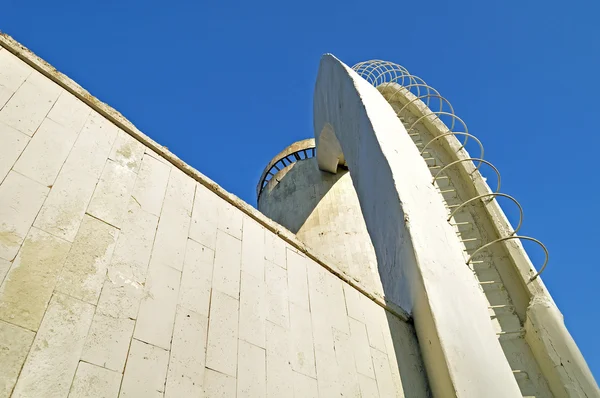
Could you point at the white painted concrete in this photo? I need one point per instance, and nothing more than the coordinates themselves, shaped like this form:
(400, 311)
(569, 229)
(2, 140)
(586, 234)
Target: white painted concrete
(130, 320)
(175, 290)
(322, 209)
(419, 256)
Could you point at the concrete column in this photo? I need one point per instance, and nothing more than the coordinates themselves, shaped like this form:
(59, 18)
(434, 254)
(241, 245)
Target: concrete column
(419, 255)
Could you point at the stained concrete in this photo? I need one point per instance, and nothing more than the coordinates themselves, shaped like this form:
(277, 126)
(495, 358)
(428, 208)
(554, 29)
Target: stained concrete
(134, 275)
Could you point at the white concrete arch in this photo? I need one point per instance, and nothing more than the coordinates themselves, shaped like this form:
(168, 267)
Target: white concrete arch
(419, 256)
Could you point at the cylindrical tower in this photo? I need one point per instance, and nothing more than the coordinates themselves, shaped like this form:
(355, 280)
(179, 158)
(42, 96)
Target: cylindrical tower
(321, 208)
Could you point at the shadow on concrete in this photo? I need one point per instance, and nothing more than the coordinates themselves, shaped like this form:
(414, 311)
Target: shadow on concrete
(291, 203)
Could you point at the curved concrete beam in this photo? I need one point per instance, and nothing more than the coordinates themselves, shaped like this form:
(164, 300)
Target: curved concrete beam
(419, 257)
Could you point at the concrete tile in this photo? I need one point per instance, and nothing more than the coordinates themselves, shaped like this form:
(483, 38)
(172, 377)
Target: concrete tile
(95, 382)
(204, 233)
(123, 288)
(69, 112)
(174, 223)
(253, 310)
(230, 219)
(205, 217)
(226, 271)
(28, 287)
(134, 246)
(5, 94)
(322, 326)
(302, 351)
(127, 151)
(277, 295)
(279, 370)
(186, 365)
(20, 201)
(180, 192)
(196, 279)
(253, 248)
(337, 303)
(404, 353)
(317, 278)
(368, 386)
(354, 305)
(145, 372)
(324, 314)
(151, 185)
(374, 320)
(383, 375)
(108, 342)
(251, 375)
(218, 385)
(275, 249)
(4, 267)
(157, 310)
(14, 347)
(13, 71)
(361, 348)
(30, 104)
(304, 386)
(12, 144)
(112, 194)
(297, 279)
(52, 361)
(327, 374)
(63, 211)
(347, 375)
(46, 153)
(84, 272)
(120, 297)
(221, 350)
(155, 155)
(277, 341)
(93, 145)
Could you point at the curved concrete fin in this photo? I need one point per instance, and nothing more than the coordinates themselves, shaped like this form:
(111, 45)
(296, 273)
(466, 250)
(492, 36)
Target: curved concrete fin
(419, 257)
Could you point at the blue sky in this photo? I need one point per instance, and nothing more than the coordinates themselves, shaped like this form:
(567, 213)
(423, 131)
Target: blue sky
(226, 85)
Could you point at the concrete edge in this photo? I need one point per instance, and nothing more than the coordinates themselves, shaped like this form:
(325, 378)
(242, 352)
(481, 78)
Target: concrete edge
(296, 146)
(27, 56)
(558, 355)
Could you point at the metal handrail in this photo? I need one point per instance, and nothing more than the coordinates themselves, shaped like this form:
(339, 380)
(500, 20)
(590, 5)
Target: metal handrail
(493, 195)
(516, 237)
(463, 144)
(279, 164)
(471, 159)
(377, 72)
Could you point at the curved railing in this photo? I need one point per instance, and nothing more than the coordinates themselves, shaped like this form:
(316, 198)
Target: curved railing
(393, 79)
(299, 150)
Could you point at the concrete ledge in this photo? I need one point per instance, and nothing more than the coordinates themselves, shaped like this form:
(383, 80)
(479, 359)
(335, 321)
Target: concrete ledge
(119, 120)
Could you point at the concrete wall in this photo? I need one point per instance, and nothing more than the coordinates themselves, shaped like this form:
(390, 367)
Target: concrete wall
(419, 256)
(529, 326)
(121, 275)
(322, 209)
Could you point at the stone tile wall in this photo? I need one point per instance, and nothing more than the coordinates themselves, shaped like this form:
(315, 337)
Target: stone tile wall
(121, 276)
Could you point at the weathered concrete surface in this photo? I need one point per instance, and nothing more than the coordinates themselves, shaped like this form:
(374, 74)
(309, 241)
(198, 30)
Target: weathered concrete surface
(119, 323)
(543, 355)
(324, 212)
(559, 357)
(419, 256)
(20, 63)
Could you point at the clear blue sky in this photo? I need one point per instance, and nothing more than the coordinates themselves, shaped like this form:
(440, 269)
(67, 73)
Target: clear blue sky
(226, 85)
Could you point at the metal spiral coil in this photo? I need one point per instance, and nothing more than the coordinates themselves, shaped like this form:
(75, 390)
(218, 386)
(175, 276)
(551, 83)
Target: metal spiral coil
(386, 75)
